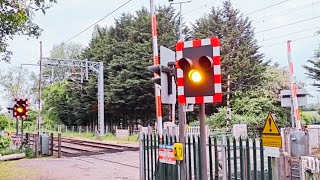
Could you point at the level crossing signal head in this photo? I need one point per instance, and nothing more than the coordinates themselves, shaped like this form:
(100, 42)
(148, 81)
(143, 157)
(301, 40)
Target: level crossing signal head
(156, 69)
(198, 71)
(20, 108)
(164, 75)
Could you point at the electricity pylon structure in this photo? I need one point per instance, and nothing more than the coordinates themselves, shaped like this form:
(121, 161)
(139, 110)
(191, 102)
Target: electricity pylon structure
(82, 68)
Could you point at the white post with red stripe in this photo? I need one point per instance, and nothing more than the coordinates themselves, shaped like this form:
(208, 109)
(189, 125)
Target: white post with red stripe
(156, 62)
(293, 87)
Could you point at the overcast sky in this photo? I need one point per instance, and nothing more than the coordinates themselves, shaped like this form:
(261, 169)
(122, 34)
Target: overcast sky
(69, 17)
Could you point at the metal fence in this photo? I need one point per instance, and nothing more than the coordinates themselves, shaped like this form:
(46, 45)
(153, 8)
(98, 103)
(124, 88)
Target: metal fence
(68, 129)
(227, 158)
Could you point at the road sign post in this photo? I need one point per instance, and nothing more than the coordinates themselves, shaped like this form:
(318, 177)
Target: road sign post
(272, 143)
(199, 81)
(20, 111)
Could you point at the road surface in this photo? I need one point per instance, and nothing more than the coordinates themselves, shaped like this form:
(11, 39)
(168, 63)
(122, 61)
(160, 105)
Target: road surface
(120, 165)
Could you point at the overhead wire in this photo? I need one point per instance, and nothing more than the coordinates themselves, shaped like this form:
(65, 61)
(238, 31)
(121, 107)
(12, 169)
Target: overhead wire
(297, 39)
(188, 12)
(87, 28)
(289, 24)
(263, 19)
(296, 32)
(272, 5)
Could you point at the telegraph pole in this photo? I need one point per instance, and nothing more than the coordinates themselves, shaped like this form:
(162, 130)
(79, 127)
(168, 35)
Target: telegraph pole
(40, 77)
(203, 144)
(181, 108)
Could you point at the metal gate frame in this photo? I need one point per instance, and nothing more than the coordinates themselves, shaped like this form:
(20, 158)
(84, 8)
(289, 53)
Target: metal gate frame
(221, 150)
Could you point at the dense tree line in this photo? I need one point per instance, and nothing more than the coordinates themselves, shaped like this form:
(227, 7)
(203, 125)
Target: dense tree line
(126, 50)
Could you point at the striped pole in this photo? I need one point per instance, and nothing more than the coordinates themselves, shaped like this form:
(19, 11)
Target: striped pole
(293, 88)
(228, 102)
(156, 62)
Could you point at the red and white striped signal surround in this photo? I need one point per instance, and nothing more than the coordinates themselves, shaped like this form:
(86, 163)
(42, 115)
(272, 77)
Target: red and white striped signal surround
(216, 68)
(20, 103)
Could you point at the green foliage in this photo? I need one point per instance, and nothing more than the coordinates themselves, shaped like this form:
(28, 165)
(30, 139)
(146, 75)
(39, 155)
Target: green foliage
(57, 96)
(310, 107)
(314, 69)
(4, 143)
(254, 104)
(107, 137)
(28, 151)
(3, 122)
(17, 82)
(16, 19)
(308, 117)
(218, 121)
(67, 51)
(31, 120)
(240, 57)
(126, 51)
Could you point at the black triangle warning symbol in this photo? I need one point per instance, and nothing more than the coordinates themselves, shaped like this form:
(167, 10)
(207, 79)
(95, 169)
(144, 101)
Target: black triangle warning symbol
(270, 126)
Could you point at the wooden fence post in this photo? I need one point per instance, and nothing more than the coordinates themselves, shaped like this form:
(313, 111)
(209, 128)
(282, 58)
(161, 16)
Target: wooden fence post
(52, 145)
(59, 145)
(36, 146)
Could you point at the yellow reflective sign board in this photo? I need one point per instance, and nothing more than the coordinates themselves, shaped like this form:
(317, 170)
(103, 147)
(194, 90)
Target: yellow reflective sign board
(271, 135)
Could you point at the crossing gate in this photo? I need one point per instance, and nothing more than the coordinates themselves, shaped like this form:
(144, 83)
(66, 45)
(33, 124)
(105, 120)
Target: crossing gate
(227, 158)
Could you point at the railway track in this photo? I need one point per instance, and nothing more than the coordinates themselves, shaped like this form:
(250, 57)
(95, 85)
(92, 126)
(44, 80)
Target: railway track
(71, 147)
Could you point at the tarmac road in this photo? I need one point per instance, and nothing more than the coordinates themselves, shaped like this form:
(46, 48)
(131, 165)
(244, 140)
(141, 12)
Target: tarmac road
(120, 165)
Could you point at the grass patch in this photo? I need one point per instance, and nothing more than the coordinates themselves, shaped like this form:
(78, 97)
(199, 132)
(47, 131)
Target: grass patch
(111, 137)
(9, 170)
(107, 137)
(28, 151)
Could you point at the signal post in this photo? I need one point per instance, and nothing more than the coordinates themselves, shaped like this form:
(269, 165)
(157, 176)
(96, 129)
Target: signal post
(199, 81)
(20, 111)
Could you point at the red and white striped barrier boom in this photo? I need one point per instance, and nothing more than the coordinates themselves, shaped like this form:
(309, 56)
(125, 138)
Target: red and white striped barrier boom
(156, 62)
(293, 88)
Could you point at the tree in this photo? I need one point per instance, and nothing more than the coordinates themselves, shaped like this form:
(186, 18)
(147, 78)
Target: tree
(126, 50)
(16, 19)
(16, 83)
(67, 51)
(260, 100)
(63, 51)
(307, 117)
(3, 122)
(31, 120)
(240, 57)
(58, 90)
(252, 106)
(313, 71)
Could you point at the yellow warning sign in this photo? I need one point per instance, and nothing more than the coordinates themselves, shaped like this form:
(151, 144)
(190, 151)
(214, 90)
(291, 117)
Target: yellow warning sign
(270, 126)
(271, 135)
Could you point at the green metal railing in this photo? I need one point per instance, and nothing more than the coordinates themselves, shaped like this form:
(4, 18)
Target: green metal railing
(244, 159)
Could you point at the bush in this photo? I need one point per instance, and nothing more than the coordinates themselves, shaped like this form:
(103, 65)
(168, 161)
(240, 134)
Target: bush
(3, 122)
(306, 117)
(28, 151)
(4, 142)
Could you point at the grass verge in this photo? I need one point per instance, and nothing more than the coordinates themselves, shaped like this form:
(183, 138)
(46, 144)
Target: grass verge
(107, 137)
(9, 170)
